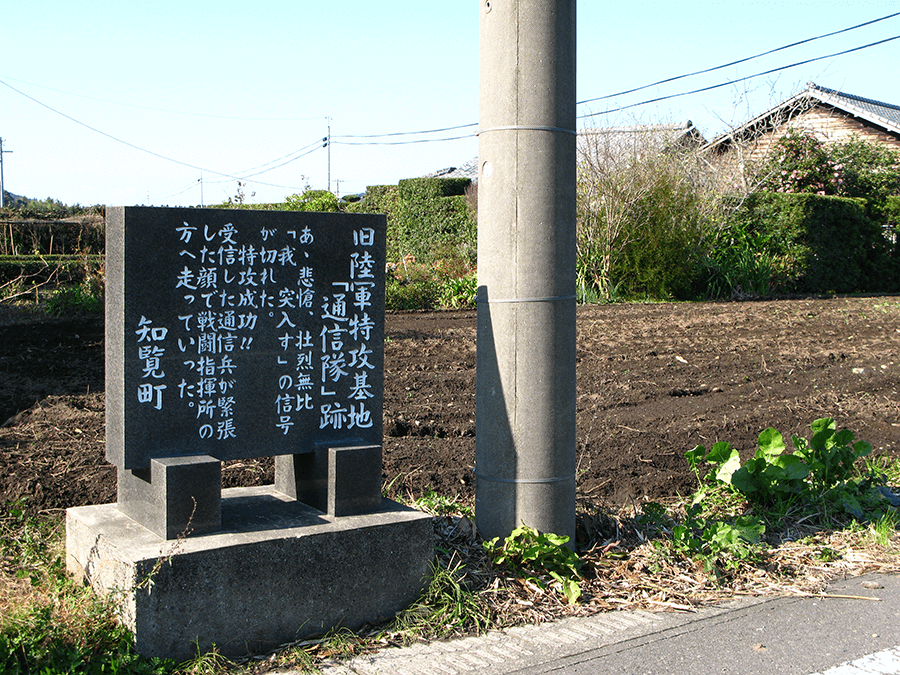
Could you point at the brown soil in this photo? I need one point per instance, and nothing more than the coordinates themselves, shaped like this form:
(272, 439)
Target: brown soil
(654, 380)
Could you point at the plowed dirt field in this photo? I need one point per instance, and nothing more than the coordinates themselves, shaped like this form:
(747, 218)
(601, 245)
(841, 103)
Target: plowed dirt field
(654, 380)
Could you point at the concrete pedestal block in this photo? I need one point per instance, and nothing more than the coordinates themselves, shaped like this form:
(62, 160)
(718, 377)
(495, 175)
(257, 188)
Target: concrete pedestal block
(278, 571)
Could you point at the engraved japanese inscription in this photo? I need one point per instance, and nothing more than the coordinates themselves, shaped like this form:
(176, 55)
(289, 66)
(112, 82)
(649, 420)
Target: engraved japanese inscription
(241, 334)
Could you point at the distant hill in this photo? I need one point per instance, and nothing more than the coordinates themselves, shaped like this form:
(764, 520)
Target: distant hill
(26, 208)
(10, 198)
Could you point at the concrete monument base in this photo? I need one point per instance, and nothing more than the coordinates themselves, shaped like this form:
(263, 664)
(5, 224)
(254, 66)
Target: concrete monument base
(279, 570)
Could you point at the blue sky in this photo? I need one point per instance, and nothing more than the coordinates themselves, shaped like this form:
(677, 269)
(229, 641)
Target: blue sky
(168, 103)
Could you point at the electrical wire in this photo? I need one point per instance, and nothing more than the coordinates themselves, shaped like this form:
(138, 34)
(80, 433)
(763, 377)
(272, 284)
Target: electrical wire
(151, 152)
(315, 145)
(182, 190)
(421, 140)
(245, 176)
(164, 110)
(412, 133)
(646, 86)
(110, 136)
(352, 139)
(739, 61)
(742, 79)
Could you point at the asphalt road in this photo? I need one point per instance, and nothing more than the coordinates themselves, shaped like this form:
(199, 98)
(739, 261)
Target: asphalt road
(828, 635)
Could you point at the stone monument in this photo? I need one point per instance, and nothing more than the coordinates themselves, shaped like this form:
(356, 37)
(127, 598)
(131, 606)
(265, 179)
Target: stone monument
(235, 334)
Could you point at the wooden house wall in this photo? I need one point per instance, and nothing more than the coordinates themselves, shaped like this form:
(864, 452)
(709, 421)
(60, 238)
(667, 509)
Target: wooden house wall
(826, 123)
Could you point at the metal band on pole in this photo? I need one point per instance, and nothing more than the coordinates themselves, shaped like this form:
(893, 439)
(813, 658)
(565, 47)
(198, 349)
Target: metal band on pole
(528, 481)
(557, 298)
(527, 127)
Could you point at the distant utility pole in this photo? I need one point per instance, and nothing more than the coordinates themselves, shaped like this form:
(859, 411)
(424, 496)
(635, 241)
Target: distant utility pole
(327, 140)
(2, 183)
(525, 394)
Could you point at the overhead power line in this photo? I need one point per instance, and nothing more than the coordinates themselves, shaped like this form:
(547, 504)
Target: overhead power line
(165, 110)
(647, 86)
(420, 140)
(741, 79)
(413, 133)
(230, 176)
(110, 136)
(381, 139)
(739, 61)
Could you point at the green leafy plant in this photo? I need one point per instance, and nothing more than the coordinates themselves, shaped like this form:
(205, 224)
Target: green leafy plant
(822, 471)
(542, 559)
(458, 292)
(440, 505)
(718, 543)
(82, 298)
(830, 455)
(821, 475)
(770, 475)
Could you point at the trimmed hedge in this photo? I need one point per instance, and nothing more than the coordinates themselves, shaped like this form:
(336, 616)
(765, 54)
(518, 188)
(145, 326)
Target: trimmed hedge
(424, 189)
(428, 219)
(831, 244)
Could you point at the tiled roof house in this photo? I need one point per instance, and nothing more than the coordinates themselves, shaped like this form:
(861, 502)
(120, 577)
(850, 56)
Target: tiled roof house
(468, 170)
(830, 115)
(621, 138)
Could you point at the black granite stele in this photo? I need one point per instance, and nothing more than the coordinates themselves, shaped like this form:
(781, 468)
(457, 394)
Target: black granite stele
(234, 334)
(190, 286)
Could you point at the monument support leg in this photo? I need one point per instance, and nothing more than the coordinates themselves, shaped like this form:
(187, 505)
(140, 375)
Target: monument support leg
(341, 481)
(176, 496)
(525, 438)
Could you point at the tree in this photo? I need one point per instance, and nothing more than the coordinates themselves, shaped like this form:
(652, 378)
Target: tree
(312, 200)
(642, 209)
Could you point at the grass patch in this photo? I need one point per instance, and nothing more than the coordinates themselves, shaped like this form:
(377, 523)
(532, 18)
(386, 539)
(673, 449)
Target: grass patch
(773, 528)
(48, 623)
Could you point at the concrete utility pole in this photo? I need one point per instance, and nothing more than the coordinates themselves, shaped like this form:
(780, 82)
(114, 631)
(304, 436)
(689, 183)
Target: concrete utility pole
(2, 183)
(525, 434)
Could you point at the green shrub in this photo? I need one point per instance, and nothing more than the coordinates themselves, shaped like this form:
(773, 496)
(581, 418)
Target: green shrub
(659, 259)
(84, 298)
(790, 243)
(642, 217)
(459, 292)
(321, 201)
(870, 170)
(428, 219)
(411, 295)
(800, 163)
